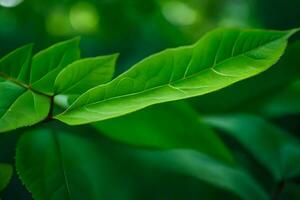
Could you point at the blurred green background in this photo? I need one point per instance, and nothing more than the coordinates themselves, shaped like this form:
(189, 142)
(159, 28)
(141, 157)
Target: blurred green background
(132, 27)
(136, 29)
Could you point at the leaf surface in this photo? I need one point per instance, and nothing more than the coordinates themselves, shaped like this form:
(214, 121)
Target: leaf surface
(166, 126)
(55, 163)
(19, 105)
(220, 58)
(204, 168)
(5, 175)
(47, 64)
(82, 75)
(276, 150)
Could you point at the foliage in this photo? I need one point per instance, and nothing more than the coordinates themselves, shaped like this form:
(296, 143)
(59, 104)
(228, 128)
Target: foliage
(59, 162)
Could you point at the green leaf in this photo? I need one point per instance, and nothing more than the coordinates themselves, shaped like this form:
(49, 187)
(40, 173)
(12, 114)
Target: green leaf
(206, 169)
(16, 65)
(219, 59)
(250, 97)
(5, 175)
(286, 102)
(19, 105)
(276, 150)
(27, 109)
(47, 64)
(166, 126)
(83, 75)
(55, 163)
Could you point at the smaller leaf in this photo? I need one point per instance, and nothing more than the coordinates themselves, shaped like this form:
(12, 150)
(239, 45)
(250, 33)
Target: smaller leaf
(27, 109)
(47, 64)
(15, 65)
(83, 75)
(5, 175)
(275, 149)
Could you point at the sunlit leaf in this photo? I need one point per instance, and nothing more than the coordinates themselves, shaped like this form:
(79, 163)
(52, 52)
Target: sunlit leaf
(219, 59)
(19, 105)
(83, 75)
(247, 95)
(47, 64)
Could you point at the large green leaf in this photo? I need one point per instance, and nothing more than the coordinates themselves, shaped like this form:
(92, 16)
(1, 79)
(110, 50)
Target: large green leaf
(19, 105)
(219, 59)
(275, 149)
(5, 175)
(47, 64)
(204, 168)
(166, 126)
(56, 164)
(83, 75)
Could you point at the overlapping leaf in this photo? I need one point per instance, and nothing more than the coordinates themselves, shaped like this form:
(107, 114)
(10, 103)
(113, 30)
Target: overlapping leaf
(47, 64)
(57, 164)
(19, 106)
(206, 169)
(219, 59)
(5, 175)
(81, 76)
(166, 126)
(275, 149)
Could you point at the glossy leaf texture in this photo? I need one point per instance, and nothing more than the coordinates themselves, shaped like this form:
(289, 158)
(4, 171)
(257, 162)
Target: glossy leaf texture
(19, 105)
(166, 126)
(47, 64)
(206, 169)
(55, 163)
(220, 58)
(82, 75)
(5, 175)
(277, 150)
(252, 98)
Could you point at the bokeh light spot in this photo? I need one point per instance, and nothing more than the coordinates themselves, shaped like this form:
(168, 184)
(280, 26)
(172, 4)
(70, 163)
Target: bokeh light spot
(179, 13)
(84, 17)
(57, 23)
(10, 3)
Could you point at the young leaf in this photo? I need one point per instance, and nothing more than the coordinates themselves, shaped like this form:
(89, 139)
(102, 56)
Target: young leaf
(47, 64)
(54, 163)
(16, 65)
(206, 169)
(27, 109)
(5, 175)
(83, 75)
(166, 126)
(219, 59)
(275, 149)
